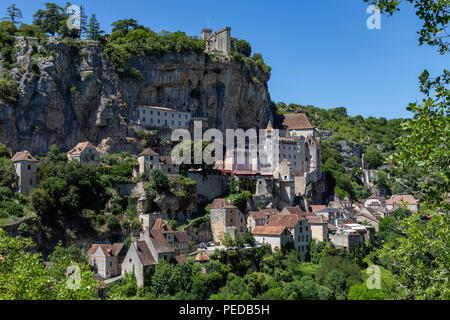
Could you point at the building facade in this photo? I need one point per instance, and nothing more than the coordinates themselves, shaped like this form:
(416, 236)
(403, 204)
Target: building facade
(26, 171)
(226, 218)
(106, 259)
(219, 42)
(85, 153)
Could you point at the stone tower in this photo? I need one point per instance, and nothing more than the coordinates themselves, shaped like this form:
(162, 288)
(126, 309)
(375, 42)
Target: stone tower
(26, 171)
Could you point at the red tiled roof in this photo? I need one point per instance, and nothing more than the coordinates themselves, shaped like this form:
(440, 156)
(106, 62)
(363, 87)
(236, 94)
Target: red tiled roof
(284, 220)
(107, 249)
(78, 149)
(166, 159)
(315, 219)
(181, 236)
(161, 245)
(181, 258)
(23, 156)
(161, 225)
(148, 152)
(222, 203)
(317, 207)
(268, 230)
(202, 257)
(398, 198)
(297, 121)
(294, 210)
(144, 254)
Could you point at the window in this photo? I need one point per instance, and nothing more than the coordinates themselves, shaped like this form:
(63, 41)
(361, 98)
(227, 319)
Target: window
(179, 116)
(179, 123)
(29, 167)
(159, 113)
(165, 122)
(173, 122)
(165, 114)
(143, 119)
(151, 112)
(144, 111)
(185, 116)
(173, 115)
(110, 263)
(159, 121)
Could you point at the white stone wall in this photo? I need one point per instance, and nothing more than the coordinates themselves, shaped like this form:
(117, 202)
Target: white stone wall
(26, 176)
(174, 119)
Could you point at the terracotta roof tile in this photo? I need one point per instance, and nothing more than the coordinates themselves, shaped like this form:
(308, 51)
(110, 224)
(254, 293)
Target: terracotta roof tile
(297, 121)
(79, 148)
(268, 230)
(202, 257)
(398, 198)
(222, 203)
(317, 207)
(181, 258)
(284, 220)
(144, 254)
(23, 156)
(167, 160)
(148, 152)
(107, 249)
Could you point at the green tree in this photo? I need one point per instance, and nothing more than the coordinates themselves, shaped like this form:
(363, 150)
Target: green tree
(244, 48)
(125, 25)
(7, 173)
(373, 158)
(93, 30)
(420, 259)
(9, 91)
(14, 14)
(49, 19)
(24, 277)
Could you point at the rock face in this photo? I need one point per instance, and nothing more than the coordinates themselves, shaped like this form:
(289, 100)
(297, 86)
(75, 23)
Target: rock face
(69, 92)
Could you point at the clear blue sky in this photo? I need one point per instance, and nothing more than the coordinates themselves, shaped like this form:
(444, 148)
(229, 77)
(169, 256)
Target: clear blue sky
(321, 51)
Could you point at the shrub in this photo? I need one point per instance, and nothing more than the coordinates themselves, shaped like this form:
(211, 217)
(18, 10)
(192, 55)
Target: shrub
(9, 91)
(112, 222)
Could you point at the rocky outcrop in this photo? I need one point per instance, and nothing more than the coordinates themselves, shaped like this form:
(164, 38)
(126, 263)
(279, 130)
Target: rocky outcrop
(70, 93)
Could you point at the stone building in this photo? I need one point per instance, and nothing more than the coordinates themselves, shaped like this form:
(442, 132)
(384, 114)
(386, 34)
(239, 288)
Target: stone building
(275, 236)
(150, 160)
(106, 259)
(26, 171)
(397, 201)
(219, 42)
(226, 218)
(84, 152)
(352, 236)
(298, 227)
(157, 243)
(319, 227)
(259, 218)
(157, 117)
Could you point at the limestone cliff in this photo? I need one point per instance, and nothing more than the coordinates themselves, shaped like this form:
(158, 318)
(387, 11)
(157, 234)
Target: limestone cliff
(69, 92)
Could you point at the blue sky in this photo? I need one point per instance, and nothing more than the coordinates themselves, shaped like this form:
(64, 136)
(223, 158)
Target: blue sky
(321, 52)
